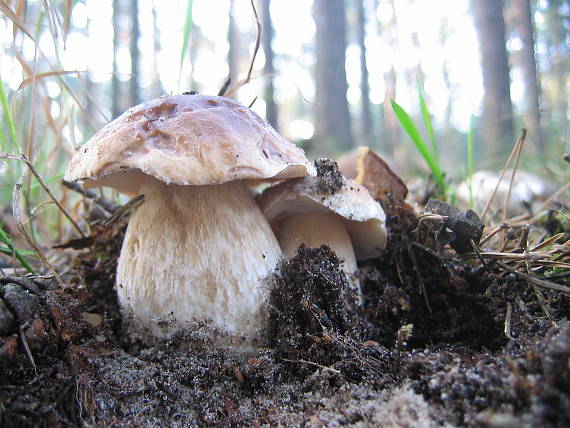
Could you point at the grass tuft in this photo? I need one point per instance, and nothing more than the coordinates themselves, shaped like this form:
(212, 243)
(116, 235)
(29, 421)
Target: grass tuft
(430, 155)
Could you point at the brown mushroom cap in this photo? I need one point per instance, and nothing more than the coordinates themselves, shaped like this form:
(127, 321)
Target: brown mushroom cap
(188, 140)
(362, 216)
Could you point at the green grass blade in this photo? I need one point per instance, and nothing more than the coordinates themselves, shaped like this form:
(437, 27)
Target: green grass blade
(427, 122)
(185, 35)
(408, 126)
(471, 159)
(7, 117)
(10, 250)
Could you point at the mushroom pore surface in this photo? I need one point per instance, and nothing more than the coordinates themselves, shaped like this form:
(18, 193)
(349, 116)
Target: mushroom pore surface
(197, 253)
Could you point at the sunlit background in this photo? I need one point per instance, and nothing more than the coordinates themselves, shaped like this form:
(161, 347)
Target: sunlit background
(83, 62)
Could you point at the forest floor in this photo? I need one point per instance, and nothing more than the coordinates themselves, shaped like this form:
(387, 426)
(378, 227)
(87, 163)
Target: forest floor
(437, 341)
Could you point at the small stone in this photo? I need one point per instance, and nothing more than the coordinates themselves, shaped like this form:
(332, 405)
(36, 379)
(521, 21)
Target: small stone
(23, 281)
(9, 347)
(36, 335)
(21, 302)
(7, 318)
(94, 320)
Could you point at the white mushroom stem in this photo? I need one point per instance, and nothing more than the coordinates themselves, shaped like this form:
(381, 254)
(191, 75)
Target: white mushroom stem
(197, 253)
(314, 230)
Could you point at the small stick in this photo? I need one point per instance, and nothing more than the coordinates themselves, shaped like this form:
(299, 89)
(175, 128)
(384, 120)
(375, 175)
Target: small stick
(123, 209)
(225, 87)
(232, 92)
(313, 364)
(535, 280)
(403, 334)
(419, 276)
(492, 233)
(478, 252)
(508, 321)
(24, 159)
(488, 203)
(518, 150)
(102, 201)
(538, 293)
(523, 239)
(18, 213)
(26, 346)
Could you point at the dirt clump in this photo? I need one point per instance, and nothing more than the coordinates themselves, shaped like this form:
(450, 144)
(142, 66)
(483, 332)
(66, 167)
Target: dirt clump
(329, 179)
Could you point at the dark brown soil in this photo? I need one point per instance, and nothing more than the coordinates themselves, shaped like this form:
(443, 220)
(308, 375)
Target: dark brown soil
(66, 361)
(329, 178)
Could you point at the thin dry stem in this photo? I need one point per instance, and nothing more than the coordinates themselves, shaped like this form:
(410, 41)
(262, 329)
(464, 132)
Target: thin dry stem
(33, 170)
(535, 280)
(518, 149)
(18, 213)
(490, 200)
(232, 92)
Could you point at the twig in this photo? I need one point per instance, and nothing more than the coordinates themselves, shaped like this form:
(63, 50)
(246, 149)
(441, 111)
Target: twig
(508, 316)
(518, 150)
(18, 213)
(26, 346)
(539, 295)
(403, 334)
(24, 159)
(313, 364)
(123, 209)
(492, 233)
(490, 200)
(225, 87)
(419, 276)
(549, 241)
(232, 92)
(102, 201)
(535, 280)
(522, 244)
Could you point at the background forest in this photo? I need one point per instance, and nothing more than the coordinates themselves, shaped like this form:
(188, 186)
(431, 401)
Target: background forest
(324, 75)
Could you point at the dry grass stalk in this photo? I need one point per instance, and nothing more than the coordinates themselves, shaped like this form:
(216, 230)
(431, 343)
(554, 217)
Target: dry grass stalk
(33, 170)
(233, 90)
(19, 215)
(513, 153)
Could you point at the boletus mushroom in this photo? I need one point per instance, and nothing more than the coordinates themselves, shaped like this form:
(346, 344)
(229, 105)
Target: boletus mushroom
(199, 248)
(347, 219)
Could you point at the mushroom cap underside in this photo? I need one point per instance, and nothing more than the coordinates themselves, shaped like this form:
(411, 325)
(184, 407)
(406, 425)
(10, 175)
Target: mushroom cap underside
(361, 214)
(187, 140)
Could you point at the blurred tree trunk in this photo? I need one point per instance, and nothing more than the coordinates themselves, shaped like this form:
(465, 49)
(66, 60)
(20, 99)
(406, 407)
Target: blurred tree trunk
(134, 49)
(156, 86)
(391, 127)
(332, 116)
(234, 44)
(367, 137)
(271, 111)
(497, 124)
(523, 24)
(556, 46)
(115, 83)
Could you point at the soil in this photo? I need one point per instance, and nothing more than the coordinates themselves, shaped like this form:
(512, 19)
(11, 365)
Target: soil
(428, 345)
(329, 178)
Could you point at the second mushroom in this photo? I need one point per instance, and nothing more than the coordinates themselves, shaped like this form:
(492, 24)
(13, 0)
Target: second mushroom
(346, 219)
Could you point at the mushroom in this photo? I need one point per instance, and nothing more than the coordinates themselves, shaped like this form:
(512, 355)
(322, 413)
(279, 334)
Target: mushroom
(199, 247)
(526, 194)
(348, 219)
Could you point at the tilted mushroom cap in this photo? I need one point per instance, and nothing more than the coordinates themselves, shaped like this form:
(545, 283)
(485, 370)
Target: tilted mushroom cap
(189, 140)
(362, 216)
